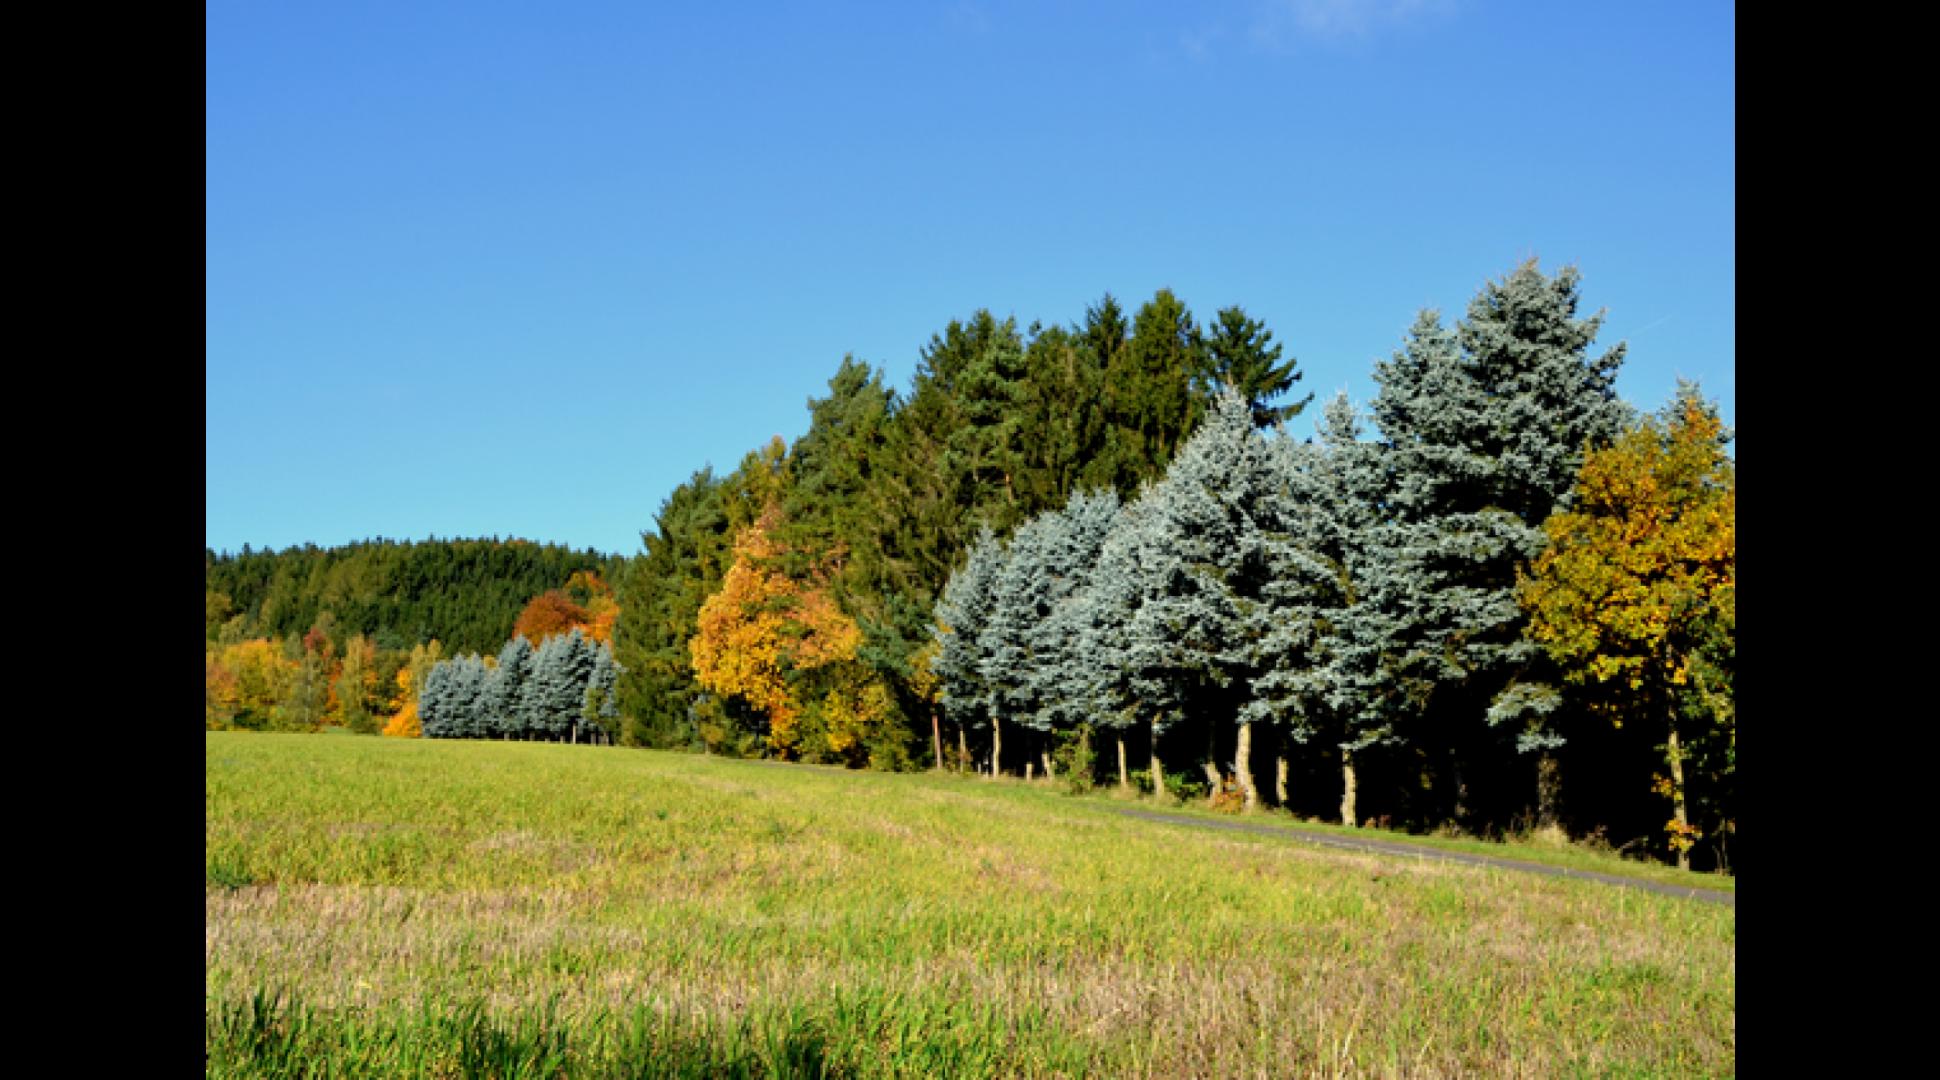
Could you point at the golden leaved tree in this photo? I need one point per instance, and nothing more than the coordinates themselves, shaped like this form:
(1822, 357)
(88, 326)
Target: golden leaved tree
(1639, 581)
(764, 630)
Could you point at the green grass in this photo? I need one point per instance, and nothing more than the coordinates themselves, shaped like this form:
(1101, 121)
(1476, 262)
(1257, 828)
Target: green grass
(391, 907)
(1522, 848)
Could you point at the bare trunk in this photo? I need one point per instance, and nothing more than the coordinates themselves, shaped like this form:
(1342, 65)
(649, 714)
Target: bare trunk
(1158, 770)
(575, 733)
(1347, 788)
(1677, 797)
(1212, 775)
(1050, 770)
(1243, 764)
(1124, 776)
(996, 746)
(1280, 779)
(1549, 790)
(1028, 766)
(963, 748)
(936, 739)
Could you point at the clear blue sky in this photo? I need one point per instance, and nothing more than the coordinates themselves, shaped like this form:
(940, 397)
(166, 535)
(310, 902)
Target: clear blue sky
(519, 269)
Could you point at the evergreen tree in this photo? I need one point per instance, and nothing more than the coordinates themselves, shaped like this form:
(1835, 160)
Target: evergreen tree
(1242, 356)
(660, 594)
(1219, 504)
(1329, 630)
(499, 696)
(1485, 430)
(1132, 683)
(599, 709)
(962, 616)
(1151, 400)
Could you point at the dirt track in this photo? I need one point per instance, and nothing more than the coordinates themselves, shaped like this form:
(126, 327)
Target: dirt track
(1394, 847)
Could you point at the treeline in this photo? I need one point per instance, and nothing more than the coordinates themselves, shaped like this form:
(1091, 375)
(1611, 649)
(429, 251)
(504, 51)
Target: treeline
(1437, 614)
(870, 510)
(1502, 597)
(464, 593)
(332, 675)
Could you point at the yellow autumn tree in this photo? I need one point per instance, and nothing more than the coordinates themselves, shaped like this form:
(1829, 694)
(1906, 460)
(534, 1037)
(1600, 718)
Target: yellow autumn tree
(245, 683)
(405, 723)
(1638, 585)
(763, 630)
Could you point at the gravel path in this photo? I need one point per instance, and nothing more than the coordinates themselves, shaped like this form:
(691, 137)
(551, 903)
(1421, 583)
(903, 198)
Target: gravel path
(1394, 847)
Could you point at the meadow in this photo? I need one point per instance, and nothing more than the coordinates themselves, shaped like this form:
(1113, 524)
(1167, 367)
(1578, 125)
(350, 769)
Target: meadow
(410, 907)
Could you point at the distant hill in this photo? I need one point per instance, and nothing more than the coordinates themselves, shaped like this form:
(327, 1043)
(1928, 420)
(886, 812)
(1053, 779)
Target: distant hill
(465, 593)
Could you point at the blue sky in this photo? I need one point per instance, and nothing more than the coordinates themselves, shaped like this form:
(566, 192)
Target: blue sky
(519, 269)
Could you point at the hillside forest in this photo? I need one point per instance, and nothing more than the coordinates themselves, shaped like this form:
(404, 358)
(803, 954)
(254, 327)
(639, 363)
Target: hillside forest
(1498, 599)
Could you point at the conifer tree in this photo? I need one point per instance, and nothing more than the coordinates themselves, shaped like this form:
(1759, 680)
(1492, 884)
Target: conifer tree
(1060, 665)
(685, 556)
(1220, 505)
(1241, 355)
(1132, 681)
(1485, 429)
(962, 615)
(599, 710)
(499, 696)
(1149, 387)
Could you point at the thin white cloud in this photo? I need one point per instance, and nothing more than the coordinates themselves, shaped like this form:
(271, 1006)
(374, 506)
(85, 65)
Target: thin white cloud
(968, 16)
(1279, 23)
(1198, 44)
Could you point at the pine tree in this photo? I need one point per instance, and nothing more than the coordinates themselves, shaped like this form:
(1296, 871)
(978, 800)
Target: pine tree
(1241, 356)
(1132, 681)
(599, 709)
(962, 614)
(1485, 430)
(499, 696)
(1220, 504)
(1330, 632)
(1151, 400)
(660, 593)
(1059, 662)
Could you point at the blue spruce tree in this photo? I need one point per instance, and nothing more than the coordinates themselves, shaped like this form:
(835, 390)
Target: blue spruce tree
(961, 614)
(1484, 430)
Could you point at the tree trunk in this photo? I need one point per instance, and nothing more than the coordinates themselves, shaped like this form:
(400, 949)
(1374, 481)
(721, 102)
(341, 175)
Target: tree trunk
(1158, 770)
(1050, 770)
(1347, 788)
(1124, 777)
(996, 746)
(1028, 766)
(1212, 775)
(575, 733)
(963, 748)
(1677, 796)
(1461, 786)
(1243, 765)
(936, 739)
(1280, 779)
(1549, 791)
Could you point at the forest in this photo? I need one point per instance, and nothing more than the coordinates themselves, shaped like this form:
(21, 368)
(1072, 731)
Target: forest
(1500, 599)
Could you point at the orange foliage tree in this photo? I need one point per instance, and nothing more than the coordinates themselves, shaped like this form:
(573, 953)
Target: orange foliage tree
(763, 630)
(549, 613)
(586, 603)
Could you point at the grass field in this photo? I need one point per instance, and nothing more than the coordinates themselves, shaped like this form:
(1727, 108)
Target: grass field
(393, 907)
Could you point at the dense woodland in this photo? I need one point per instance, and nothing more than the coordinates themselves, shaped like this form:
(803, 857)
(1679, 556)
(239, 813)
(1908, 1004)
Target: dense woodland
(1501, 599)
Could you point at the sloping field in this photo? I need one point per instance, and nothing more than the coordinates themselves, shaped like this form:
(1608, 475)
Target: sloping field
(378, 906)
